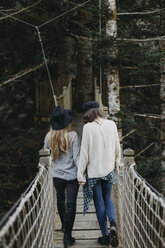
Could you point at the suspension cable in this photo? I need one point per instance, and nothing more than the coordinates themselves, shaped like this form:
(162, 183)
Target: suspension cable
(46, 64)
(17, 19)
(100, 32)
(40, 39)
(43, 24)
(68, 11)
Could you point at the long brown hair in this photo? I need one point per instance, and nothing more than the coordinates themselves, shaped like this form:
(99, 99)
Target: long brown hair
(60, 141)
(92, 114)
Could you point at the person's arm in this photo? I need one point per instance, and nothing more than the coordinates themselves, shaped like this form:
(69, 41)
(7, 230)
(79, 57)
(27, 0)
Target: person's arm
(76, 149)
(117, 151)
(46, 142)
(83, 156)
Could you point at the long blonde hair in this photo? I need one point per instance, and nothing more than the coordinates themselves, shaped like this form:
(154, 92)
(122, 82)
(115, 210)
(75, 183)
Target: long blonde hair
(60, 141)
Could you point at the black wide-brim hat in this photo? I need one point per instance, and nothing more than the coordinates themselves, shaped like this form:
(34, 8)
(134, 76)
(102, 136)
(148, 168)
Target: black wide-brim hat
(60, 118)
(88, 105)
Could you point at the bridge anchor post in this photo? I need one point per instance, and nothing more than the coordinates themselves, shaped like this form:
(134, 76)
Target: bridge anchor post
(129, 199)
(45, 156)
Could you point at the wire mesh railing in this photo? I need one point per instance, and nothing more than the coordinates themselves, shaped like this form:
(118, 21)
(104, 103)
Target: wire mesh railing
(31, 224)
(143, 212)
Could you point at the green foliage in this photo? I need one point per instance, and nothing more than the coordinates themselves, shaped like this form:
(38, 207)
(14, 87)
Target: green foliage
(140, 65)
(17, 108)
(150, 168)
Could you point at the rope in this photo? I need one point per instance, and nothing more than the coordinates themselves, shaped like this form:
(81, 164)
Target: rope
(46, 64)
(17, 19)
(6, 217)
(32, 222)
(151, 187)
(143, 215)
(45, 23)
(40, 39)
(20, 10)
(62, 95)
(56, 17)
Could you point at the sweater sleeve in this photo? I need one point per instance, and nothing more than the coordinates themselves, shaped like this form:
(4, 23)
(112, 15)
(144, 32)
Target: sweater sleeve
(46, 142)
(76, 149)
(83, 155)
(117, 151)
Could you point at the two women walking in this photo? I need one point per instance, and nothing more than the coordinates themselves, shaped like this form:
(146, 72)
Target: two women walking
(95, 168)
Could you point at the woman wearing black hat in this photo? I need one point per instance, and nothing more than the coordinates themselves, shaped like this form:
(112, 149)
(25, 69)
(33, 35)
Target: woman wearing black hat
(64, 147)
(99, 158)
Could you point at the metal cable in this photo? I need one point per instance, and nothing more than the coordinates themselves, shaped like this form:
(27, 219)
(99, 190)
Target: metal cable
(56, 17)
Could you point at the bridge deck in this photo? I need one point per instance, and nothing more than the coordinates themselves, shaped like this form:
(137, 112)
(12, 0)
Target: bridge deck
(85, 230)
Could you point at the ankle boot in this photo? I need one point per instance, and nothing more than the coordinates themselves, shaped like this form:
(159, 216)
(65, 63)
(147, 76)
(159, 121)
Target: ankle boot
(68, 241)
(113, 237)
(104, 240)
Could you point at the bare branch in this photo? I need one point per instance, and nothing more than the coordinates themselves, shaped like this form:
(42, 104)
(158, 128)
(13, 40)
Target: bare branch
(125, 136)
(121, 39)
(79, 37)
(19, 11)
(153, 116)
(141, 13)
(142, 40)
(139, 86)
(144, 149)
(21, 74)
(129, 67)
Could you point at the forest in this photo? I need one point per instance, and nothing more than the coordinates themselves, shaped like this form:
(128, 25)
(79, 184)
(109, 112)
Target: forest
(73, 38)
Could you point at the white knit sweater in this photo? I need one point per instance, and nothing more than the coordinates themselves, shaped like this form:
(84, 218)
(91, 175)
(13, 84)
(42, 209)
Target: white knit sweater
(100, 150)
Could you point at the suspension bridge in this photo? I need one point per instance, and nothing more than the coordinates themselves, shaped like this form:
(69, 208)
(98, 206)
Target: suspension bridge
(34, 222)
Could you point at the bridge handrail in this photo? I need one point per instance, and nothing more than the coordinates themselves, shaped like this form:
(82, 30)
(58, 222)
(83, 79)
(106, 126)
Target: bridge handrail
(31, 223)
(144, 209)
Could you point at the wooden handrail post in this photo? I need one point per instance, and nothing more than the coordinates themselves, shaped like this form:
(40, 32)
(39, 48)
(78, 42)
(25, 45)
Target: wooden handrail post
(129, 157)
(129, 191)
(45, 156)
(65, 100)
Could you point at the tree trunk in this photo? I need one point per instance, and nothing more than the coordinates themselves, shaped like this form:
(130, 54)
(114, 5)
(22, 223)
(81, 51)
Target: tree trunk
(112, 71)
(62, 71)
(84, 73)
(162, 97)
(162, 92)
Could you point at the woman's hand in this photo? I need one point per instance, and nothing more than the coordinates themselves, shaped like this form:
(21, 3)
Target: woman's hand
(82, 183)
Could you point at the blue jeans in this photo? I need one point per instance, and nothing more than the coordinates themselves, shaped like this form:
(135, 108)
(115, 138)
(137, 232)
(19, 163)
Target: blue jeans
(103, 204)
(66, 191)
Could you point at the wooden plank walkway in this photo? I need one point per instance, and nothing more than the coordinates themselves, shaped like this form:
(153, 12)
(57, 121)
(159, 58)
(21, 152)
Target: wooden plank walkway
(86, 229)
